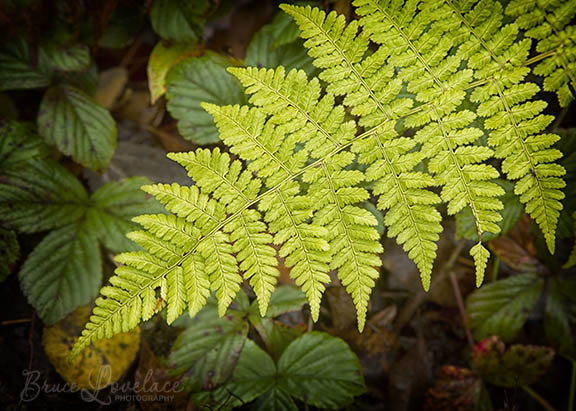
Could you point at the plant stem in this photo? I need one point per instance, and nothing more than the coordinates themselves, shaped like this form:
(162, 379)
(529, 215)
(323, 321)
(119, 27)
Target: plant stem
(461, 308)
(545, 404)
(572, 386)
(495, 267)
(539, 57)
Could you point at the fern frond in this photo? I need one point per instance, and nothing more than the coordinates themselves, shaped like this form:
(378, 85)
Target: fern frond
(370, 91)
(304, 245)
(225, 182)
(189, 203)
(465, 181)
(339, 50)
(248, 134)
(231, 186)
(170, 228)
(222, 268)
(441, 72)
(295, 104)
(352, 236)
(197, 283)
(517, 123)
(548, 22)
(411, 217)
(256, 257)
(417, 38)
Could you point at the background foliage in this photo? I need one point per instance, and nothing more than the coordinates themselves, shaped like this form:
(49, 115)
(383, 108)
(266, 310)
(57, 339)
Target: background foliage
(92, 96)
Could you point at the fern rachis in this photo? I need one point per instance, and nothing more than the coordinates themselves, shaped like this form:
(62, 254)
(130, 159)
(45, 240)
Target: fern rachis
(297, 183)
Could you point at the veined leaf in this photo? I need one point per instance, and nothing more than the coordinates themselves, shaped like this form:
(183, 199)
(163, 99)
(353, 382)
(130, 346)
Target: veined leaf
(63, 272)
(277, 44)
(321, 370)
(304, 372)
(172, 20)
(16, 71)
(78, 126)
(502, 308)
(19, 143)
(207, 351)
(41, 196)
(194, 81)
(162, 59)
(112, 208)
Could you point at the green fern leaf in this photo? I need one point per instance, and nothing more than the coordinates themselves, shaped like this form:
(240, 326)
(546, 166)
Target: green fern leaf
(370, 92)
(352, 236)
(403, 102)
(248, 135)
(548, 22)
(517, 138)
(189, 203)
(197, 283)
(304, 245)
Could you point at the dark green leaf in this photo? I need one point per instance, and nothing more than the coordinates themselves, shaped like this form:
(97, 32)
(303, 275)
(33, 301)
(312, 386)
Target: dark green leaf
(253, 376)
(112, 209)
(198, 80)
(173, 21)
(501, 308)
(207, 352)
(78, 126)
(270, 47)
(276, 335)
(321, 370)
(284, 299)
(124, 24)
(9, 252)
(17, 71)
(62, 273)
(42, 196)
(275, 399)
(61, 57)
(283, 29)
(20, 143)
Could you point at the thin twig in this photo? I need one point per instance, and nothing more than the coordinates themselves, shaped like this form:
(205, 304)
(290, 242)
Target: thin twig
(410, 308)
(12, 322)
(460, 301)
(571, 403)
(31, 342)
(541, 400)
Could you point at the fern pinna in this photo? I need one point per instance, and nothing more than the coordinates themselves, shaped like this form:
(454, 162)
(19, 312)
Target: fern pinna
(310, 151)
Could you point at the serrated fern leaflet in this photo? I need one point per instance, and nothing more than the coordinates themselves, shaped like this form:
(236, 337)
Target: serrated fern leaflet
(406, 98)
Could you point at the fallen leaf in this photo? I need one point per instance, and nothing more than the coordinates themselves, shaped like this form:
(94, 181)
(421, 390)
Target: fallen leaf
(100, 364)
(514, 366)
(162, 59)
(111, 84)
(155, 383)
(517, 248)
(455, 388)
